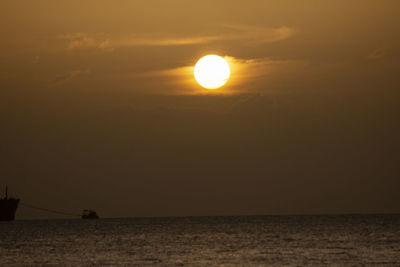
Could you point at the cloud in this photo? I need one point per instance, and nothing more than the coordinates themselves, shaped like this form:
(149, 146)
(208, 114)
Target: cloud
(247, 76)
(83, 40)
(258, 34)
(157, 41)
(250, 34)
(69, 75)
(238, 32)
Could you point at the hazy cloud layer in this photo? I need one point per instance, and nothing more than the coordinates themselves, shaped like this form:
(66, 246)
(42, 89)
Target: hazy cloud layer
(243, 33)
(69, 75)
(247, 76)
(83, 40)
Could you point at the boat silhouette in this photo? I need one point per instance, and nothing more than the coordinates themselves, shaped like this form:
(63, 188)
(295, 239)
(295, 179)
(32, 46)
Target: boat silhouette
(8, 207)
(89, 214)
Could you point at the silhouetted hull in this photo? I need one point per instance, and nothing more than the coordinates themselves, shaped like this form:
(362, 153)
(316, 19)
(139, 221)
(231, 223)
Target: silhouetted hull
(8, 207)
(90, 216)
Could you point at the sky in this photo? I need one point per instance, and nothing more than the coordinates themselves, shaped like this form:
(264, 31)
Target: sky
(99, 108)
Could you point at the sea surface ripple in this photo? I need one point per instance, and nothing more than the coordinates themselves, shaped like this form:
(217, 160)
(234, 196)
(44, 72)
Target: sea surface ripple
(356, 240)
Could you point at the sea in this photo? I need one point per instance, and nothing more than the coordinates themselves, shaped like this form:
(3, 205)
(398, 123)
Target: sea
(306, 240)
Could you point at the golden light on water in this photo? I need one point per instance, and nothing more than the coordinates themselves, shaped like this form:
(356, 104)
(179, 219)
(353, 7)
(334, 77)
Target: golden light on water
(212, 71)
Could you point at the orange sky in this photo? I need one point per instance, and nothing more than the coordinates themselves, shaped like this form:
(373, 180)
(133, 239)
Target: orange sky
(99, 96)
(282, 45)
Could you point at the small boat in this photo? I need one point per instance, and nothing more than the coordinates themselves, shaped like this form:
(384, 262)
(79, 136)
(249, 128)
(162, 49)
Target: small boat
(8, 207)
(89, 214)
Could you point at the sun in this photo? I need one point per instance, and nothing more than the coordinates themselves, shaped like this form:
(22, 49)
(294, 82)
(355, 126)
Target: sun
(211, 71)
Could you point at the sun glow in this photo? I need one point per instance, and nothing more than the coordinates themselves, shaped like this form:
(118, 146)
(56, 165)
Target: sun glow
(211, 71)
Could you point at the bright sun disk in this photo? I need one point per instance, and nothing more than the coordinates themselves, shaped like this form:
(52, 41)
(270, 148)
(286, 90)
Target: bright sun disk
(211, 71)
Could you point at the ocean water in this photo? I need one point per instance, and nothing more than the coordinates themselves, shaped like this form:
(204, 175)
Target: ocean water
(353, 240)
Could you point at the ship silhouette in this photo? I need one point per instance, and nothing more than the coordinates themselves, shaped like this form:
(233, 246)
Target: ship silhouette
(89, 214)
(8, 207)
